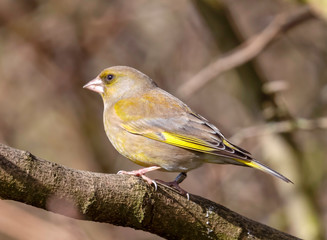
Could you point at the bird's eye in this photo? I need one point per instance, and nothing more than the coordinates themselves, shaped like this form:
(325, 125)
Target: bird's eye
(110, 77)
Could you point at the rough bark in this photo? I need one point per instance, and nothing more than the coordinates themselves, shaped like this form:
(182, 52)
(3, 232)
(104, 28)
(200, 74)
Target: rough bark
(122, 200)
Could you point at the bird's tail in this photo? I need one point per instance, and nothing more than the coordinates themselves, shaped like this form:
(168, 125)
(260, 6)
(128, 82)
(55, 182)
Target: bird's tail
(255, 164)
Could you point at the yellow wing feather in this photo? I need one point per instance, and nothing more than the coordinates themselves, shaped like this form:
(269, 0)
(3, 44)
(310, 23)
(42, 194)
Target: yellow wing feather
(187, 142)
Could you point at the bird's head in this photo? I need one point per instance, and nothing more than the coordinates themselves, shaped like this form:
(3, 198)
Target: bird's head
(117, 82)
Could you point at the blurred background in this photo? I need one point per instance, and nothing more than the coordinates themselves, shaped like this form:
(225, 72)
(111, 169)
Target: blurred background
(274, 106)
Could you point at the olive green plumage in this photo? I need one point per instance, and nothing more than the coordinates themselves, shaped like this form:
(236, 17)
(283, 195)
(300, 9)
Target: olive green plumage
(153, 128)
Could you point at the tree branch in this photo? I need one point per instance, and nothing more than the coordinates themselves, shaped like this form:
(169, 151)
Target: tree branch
(245, 52)
(122, 200)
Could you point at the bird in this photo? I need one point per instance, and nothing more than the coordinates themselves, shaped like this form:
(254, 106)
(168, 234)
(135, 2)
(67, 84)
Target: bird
(156, 130)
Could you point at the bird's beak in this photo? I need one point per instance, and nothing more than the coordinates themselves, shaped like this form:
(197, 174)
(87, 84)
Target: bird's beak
(95, 85)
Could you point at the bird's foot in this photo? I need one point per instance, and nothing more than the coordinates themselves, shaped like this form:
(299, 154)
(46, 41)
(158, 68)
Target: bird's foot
(175, 184)
(141, 172)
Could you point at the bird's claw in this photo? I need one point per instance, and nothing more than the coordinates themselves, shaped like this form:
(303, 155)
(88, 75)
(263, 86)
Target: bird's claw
(174, 185)
(155, 185)
(122, 172)
(139, 174)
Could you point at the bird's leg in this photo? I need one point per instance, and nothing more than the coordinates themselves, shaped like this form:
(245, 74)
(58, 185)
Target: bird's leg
(175, 184)
(180, 178)
(141, 172)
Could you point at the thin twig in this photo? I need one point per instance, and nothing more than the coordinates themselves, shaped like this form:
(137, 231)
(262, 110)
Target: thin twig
(246, 51)
(279, 127)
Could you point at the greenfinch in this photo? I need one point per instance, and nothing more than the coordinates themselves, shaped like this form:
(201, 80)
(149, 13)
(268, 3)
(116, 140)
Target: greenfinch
(158, 131)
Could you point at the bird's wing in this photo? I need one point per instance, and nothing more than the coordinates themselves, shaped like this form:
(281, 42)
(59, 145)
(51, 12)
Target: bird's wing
(162, 117)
